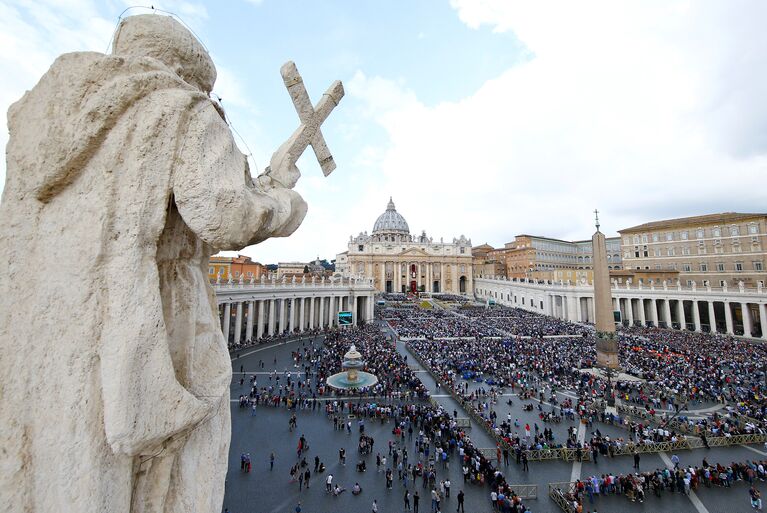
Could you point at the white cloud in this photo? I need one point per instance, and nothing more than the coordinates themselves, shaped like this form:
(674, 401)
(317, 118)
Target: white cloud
(642, 110)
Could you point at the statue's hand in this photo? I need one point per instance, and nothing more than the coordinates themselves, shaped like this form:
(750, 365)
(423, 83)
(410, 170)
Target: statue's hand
(282, 169)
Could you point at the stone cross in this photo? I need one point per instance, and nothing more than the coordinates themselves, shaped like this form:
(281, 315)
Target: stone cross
(311, 118)
(596, 214)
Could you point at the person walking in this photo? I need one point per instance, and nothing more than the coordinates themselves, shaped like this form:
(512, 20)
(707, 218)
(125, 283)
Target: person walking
(460, 502)
(375, 506)
(636, 460)
(416, 499)
(271, 461)
(407, 500)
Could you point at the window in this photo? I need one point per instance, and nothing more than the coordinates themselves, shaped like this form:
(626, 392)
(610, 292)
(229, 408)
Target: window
(655, 237)
(658, 267)
(626, 255)
(722, 283)
(211, 270)
(716, 232)
(734, 231)
(720, 267)
(686, 268)
(752, 229)
(670, 236)
(686, 250)
(700, 233)
(463, 250)
(689, 283)
(703, 268)
(684, 235)
(626, 240)
(360, 248)
(758, 266)
(644, 238)
(656, 252)
(738, 266)
(236, 274)
(636, 239)
(671, 252)
(249, 274)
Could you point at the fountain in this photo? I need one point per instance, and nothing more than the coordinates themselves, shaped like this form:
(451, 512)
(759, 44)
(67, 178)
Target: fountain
(351, 377)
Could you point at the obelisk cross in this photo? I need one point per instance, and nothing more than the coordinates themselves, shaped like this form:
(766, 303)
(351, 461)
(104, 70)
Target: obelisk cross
(596, 214)
(311, 117)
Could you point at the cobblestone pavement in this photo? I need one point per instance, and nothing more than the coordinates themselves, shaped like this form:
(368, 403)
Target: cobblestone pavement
(270, 491)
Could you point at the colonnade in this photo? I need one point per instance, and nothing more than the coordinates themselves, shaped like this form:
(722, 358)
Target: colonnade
(738, 311)
(250, 312)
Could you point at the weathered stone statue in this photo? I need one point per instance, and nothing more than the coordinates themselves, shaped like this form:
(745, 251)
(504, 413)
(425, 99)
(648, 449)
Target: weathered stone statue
(114, 374)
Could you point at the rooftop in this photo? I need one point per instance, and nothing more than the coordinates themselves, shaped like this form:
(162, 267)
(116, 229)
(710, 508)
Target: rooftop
(721, 218)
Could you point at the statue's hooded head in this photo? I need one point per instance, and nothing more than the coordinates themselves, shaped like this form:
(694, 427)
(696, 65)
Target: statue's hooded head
(165, 39)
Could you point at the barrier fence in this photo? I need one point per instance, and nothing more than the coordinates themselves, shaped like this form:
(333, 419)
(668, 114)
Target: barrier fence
(525, 491)
(558, 492)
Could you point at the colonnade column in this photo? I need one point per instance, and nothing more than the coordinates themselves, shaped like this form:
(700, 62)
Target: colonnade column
(301, 316)
(311, 313)
(728, 318)
(227, 320)
(283, 314)
(667, 312)
(746, 315)
(292, 315)
(630, 311)
(763, 319)
(578, 313)
(642, 316)
(238, 323)
(654, 312)
(696, 315)
(711, 317)
(249, 322)
(321, 324)
(272, 305)
(353, 308)
(260, 321)
(680, 314)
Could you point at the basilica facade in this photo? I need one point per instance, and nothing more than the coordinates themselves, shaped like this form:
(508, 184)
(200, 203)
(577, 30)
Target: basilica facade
(400, 262)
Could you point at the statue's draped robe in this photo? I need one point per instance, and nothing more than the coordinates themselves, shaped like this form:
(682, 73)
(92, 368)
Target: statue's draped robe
(114, 374)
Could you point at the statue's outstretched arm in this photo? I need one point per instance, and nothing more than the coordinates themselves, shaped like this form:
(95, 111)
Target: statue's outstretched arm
(216, 196)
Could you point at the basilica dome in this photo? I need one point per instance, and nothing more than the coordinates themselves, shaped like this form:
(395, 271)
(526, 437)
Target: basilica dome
(391, 221)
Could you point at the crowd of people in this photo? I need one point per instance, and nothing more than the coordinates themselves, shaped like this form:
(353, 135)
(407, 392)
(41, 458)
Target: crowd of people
(636, 486)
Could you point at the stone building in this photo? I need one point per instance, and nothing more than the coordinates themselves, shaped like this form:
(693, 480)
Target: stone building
(544, 258)
(714, 249)
(220, 268)
(398, 261)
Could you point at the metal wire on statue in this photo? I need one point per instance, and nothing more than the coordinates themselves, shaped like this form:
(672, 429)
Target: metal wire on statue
(175, 16)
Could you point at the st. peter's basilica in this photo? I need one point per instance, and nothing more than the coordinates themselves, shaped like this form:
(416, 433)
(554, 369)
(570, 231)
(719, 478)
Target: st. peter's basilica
(400, 262)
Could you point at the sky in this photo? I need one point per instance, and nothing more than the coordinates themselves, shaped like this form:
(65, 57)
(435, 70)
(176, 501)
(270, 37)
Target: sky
(483, 118)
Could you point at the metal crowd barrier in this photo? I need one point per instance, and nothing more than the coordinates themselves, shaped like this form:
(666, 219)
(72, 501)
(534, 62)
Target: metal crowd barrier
(557, 492)
(525, 491)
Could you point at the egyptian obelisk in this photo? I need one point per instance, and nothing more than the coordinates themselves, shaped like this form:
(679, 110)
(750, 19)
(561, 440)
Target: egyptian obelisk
(607, 342)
